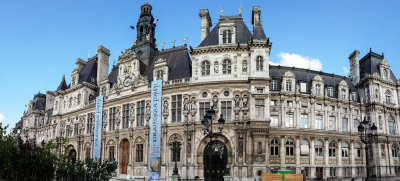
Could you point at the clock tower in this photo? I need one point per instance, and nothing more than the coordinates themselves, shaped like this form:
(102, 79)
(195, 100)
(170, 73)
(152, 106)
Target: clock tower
(145, 39)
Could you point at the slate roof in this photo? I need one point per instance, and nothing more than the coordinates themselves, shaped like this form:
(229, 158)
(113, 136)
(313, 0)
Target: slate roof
(113, 76)
(243, 34)
(258, 32)
(39, 102)
(88, 73)
(63, 84)
(178, 61)
(369, 64)
(305, 75)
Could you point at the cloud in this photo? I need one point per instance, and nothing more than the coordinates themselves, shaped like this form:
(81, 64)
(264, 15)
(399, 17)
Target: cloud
(2, 118)
(346, 70)
(299, 61)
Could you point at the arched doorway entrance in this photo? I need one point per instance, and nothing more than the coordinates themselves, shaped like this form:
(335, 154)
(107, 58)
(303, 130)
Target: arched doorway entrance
(72, 156)
(125, 156)
(215, 161)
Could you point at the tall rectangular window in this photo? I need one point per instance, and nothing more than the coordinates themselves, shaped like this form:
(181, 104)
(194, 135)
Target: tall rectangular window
(274, 121)
(289, 120)
(355, 124)
(139, 153)
(111, 117)
(90, 117)
(259, 108)
(125, 116)
(87, 152)
(176, 108)
(303, 87)
(304, 121)
(345, 124)
(288, 85)
(111, 153)
(226, 109)
(319, 122)
(204, 106)
(330, 91)
(140, 108)
(176, 155)
(332, 123)
(274, 85)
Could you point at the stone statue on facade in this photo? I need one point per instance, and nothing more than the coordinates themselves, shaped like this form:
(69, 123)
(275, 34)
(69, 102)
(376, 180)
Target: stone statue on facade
(237, 100)
(215, 102)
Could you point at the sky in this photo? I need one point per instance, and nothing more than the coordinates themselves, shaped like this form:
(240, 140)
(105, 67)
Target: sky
(41, 40)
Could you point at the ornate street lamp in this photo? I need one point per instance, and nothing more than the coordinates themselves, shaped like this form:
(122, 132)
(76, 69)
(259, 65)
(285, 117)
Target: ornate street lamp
(208, 120)
(368, 135)
(176, 148)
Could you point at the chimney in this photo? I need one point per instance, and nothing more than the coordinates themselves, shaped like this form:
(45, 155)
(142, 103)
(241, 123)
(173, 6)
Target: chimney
(354, 67)
(79, 64)
(205, 23)
(255, 16)
(102, 64)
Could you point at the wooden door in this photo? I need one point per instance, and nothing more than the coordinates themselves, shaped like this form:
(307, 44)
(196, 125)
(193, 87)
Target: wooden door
(125, 156)
(319, 173)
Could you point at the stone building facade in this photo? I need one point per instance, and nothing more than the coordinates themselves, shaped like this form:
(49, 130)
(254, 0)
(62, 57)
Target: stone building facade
(276, 117)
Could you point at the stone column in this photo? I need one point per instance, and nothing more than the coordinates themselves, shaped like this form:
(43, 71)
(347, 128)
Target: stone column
(282, 115)
(297, 154)
(339, 158)
(352, 157)
(267, 150)
(296, 115)
(326, 117)
(311, 119)
(282, 152)
(312, 158)
(326, 158)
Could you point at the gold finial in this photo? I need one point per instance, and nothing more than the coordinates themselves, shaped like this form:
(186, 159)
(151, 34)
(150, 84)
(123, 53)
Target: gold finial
(221, 12)
(162, 45)
(240, 10)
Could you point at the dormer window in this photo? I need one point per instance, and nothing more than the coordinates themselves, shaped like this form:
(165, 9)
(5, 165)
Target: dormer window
(274, 85)
(385, 74)
(343, 93)
(227, 66)
(354, 96)
(227, 36)
(205, 68)
(288, 85)
(330, 91)
(303, 87)
(160, 75)
(259, 63)
(318, 89)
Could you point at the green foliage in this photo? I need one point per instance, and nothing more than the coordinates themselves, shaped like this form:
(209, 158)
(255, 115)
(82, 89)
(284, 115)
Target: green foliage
(29, 161)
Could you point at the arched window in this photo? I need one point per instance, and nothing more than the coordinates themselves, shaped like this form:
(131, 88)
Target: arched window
(274, 147)
(244, 66)
(259, 63)
(357, 148)
(318, 89)
(227, 36)
(388, 96)
(395, 150)
(205, 67)
(304, 148)
(332, 149)
(385, 74)
(289, 147)
(227, 66)
(343, 93)
(345, 149)
(160, 74)
(391, 125)
(318, 148)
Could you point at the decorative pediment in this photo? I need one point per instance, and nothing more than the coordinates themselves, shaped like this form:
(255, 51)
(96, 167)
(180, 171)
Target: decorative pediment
(318, 78)
(129, 54)
(288, 74)
(343, 83)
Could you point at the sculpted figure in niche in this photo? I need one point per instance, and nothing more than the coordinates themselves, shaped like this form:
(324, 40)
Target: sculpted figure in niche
(215, 102)
(165, 110)
(194, 107)
(186, 104)
(148, 108)
(244, 66)
(216, 67)
(245, 100)
(237, 101)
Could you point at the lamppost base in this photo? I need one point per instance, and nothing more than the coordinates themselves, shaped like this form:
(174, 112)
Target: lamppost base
(175, 177)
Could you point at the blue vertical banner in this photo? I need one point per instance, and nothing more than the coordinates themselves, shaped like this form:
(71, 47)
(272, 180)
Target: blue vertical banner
(98, 124)
(155, 130)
